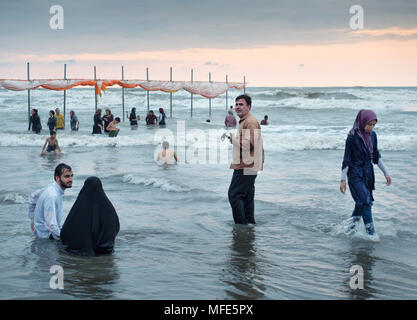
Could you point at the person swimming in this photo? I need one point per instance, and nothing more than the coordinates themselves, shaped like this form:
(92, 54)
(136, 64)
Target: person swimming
(92, 223)
(52, 143)
(166, 156)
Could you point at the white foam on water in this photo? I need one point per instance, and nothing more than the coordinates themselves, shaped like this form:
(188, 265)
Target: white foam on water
(161, 183)
(13, 197)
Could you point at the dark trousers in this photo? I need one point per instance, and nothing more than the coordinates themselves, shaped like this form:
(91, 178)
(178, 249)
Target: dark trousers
(241, 197)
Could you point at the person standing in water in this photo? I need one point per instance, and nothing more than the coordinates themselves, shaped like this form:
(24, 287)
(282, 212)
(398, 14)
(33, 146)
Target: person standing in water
(247, 160)
(45, 205)
(35, 122)
(107, 119)
(98, 122)
(92, 223)
(133, 118)
(51, 121)
(166, 156)
(60, 120)
(361, 152)
(74, 121)
(230, 120)
(52, 143)
(162, 117)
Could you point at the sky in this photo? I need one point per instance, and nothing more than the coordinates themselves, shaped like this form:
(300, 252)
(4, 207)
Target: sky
(269, 42)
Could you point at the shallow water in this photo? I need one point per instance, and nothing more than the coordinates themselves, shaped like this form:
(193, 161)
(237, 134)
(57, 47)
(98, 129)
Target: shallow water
(177, 238)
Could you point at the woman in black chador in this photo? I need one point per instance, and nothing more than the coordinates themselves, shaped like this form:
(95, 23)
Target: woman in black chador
(92, 224)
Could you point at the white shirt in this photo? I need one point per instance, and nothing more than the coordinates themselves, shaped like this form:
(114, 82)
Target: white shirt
(45, 208)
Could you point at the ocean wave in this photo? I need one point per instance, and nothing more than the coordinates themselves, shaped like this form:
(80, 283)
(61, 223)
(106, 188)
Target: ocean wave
(161, 183)
(13, 197)
(382, 228)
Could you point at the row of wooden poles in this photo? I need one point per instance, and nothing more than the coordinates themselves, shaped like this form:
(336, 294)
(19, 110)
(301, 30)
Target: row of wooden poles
(147, 92)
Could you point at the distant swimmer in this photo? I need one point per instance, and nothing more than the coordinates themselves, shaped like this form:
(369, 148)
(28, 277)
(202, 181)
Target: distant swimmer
(166, 156)
(361, 152)
(133, 118)
(45, 205)
(265, 121)
(162, 117)
(52, 143)
(98, 122)
(112, 129)
(51, 121)
(60, 120)
(230, 120)
(35, 122)
(151, 119)
(74, 121)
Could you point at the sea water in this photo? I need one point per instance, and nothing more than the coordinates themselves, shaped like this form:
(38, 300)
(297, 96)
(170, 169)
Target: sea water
(177, 238)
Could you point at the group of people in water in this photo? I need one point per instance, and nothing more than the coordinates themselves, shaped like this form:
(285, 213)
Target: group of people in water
(92, 223)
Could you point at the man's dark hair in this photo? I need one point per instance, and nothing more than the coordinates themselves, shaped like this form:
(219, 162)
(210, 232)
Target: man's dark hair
(61, 168)
(52, 111)
(117, 119)
(247, 99)
(52, 132)
(266, 117)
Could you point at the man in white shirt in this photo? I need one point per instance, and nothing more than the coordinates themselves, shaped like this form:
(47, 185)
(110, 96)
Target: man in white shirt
(45, 205)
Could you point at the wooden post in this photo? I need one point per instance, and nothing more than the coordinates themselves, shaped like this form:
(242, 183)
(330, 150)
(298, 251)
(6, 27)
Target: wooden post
(147, 91)
(210, 98)
(192, 76)
(28, 95)
(95, 93)
(65, 92)
(123, 96)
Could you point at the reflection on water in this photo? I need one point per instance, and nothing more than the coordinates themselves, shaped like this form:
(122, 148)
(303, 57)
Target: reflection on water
(242, 272)
(84, 277)
(361, 254)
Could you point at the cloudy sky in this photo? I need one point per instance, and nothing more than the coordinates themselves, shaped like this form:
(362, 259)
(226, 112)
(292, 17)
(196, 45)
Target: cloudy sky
(271, 42)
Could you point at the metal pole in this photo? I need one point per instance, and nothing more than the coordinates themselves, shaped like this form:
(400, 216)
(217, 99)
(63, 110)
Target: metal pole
(192, 76)
(28, 94)
(147, 91)
(210, 98)
(244, 83)
(95, 93)
(226, 93)
(123, 96)
(170, 94)
(65, 91)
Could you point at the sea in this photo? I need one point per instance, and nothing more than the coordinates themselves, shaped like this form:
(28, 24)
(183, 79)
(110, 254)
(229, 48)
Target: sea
(177, 237)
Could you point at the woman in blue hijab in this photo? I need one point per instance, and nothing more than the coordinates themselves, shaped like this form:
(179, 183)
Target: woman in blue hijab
(361, 152)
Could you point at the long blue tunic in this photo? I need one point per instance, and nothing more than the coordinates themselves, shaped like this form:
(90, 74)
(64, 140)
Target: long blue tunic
(360, 174)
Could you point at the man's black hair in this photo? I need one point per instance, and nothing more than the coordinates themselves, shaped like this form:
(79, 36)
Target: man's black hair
(266, 117)
(117, 119)
(247, 99)
(52, 111)
(61, 168)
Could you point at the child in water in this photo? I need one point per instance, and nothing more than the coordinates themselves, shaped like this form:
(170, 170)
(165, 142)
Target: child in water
(52, 143)
(361, 152)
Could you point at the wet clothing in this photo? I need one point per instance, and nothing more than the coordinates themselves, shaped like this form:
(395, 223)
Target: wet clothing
(51, 124)
(244, 154)
(133, 119)
(35, 123)
(97, 120)
(50, 148)
(106, 121)
(59, 121)
(151, 119)
(230, 120)
(92, 224)
(73, 123)
(358, 160)
(264, 122)
(241, 197)
(162, 117)
(45, 208)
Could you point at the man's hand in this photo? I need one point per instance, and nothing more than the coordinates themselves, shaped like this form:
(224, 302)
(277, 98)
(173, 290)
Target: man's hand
(343, 186)
(31, 225)
(388, 179)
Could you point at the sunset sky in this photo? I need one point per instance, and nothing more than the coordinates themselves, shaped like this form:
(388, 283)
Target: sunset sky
(271, 42)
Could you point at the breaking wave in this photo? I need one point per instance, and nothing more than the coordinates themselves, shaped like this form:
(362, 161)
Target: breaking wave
(161, 183)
